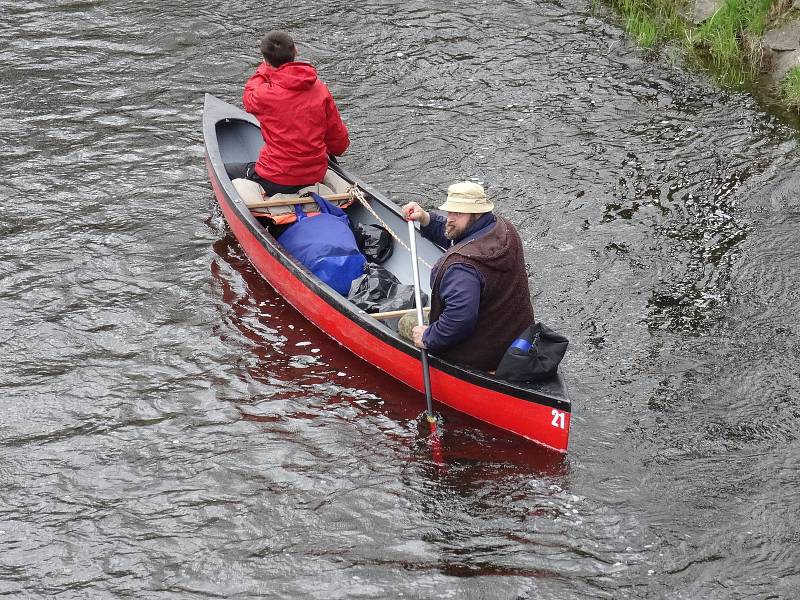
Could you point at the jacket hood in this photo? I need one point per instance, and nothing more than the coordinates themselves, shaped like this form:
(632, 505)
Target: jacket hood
(490, 244)
(294, 76)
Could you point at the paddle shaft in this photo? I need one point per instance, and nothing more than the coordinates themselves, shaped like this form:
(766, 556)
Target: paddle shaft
(426, 374)
(294, 200)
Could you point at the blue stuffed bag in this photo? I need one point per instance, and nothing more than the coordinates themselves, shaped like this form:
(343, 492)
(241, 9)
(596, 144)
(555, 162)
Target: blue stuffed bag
(325, 245)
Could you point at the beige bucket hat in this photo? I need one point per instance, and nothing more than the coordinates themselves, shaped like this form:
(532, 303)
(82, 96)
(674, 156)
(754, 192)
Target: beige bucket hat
(466, 197)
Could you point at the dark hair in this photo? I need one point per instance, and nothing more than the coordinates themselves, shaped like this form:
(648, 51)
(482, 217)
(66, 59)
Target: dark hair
(277, 48)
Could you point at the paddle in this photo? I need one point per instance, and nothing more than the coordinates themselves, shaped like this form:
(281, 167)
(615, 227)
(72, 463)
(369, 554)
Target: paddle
(426, 375)
(333, 198)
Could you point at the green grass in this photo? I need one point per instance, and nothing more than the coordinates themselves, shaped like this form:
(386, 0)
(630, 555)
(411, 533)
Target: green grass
(729, 40)
(790, 88)
(651, 21)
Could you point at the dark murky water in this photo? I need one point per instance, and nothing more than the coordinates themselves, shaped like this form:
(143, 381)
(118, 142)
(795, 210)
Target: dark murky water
(171, 429)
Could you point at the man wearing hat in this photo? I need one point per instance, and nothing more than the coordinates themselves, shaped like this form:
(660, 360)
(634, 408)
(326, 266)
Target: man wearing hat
(479, 288)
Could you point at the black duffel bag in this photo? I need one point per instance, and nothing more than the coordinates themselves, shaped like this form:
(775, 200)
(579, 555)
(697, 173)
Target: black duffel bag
(534, 355)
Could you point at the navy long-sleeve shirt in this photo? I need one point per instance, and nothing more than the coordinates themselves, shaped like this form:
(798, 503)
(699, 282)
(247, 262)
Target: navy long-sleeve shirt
(460, 288)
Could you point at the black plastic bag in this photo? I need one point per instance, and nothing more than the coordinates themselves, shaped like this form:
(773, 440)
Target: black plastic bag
(533, 356)
(378, 290)
(374, 242)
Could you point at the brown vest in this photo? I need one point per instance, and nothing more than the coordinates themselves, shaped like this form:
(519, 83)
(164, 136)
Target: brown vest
(505, 307)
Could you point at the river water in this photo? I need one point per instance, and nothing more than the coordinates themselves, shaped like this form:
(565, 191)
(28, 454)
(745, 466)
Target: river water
(170, 428)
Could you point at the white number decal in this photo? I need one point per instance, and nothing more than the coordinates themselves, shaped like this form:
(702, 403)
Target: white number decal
(558, 418)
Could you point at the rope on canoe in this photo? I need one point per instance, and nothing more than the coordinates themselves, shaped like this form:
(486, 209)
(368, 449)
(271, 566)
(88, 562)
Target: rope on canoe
(356, 193)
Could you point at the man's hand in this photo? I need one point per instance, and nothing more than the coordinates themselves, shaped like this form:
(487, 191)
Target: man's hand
(414, 212)
(417, 333)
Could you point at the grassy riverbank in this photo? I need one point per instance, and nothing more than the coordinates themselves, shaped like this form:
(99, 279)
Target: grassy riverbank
(728, 42)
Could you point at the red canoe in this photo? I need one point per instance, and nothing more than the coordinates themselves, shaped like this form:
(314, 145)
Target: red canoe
(539, 412)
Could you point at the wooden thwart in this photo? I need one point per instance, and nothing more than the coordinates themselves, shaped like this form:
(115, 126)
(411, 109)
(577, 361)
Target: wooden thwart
(333, 198)
(394, 313)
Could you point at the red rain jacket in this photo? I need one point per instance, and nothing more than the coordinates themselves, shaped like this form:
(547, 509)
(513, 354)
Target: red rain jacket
(299, 121)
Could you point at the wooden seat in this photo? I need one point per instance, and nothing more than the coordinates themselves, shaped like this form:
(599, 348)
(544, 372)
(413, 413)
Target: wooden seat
(279, 208)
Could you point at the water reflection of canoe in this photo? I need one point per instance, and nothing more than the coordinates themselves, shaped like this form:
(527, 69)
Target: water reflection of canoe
(539, 412)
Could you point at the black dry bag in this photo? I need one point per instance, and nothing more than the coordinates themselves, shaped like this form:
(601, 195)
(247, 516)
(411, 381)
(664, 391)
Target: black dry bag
(377, 290)
(533, 356)
(374, 242)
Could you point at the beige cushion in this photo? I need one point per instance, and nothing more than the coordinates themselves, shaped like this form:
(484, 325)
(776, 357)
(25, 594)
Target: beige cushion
(249, 190)
(282, 210)
(317, 188)
(334, 182)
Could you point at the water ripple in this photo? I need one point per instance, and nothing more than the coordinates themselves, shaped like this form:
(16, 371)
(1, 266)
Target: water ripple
(171, 428)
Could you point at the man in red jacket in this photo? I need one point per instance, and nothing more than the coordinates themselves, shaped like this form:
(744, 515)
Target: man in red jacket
(299, 120)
